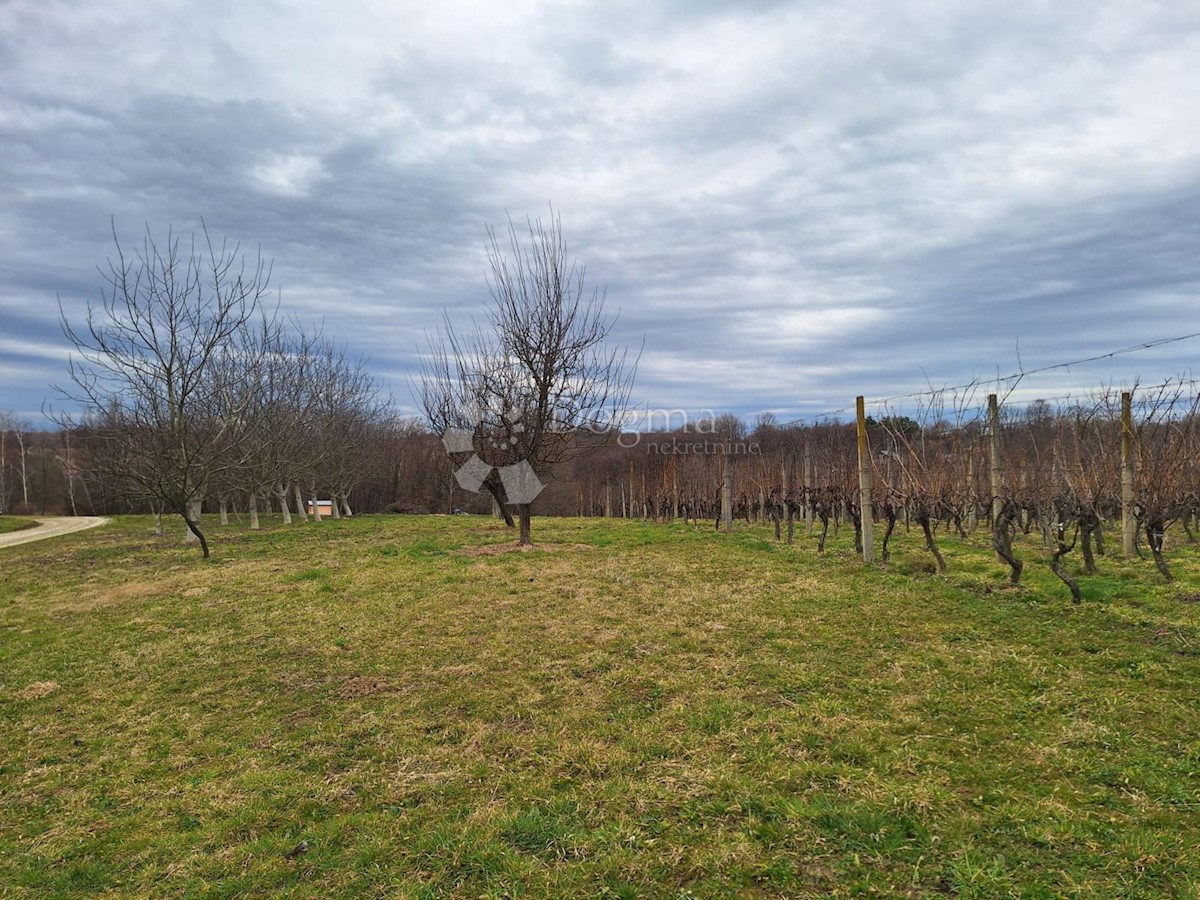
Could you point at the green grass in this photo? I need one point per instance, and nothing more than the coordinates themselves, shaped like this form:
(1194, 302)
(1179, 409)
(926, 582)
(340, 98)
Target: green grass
(9, 524)
(642, 710)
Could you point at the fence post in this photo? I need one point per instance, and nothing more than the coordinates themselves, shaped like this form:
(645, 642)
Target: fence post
(726, 494)
(997, 466)
(972, 500)
(864, 486)
(1128, 523)
(789, 488)
(808, 484)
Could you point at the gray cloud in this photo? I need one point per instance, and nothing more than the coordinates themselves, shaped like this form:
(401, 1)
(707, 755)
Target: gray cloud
(792, 202)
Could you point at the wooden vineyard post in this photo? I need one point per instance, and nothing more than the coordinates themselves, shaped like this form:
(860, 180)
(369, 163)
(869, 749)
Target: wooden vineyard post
(972, 500)
(808, 483)
(726, 494)
(1128, 523)
(864, 485)
(632, 514)
(789, 481)
(674, 491)
(997, 467)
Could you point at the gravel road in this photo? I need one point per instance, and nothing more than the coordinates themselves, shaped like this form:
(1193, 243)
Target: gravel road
(50, 526)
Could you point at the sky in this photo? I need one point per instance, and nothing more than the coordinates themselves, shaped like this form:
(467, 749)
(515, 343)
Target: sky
(788, 203)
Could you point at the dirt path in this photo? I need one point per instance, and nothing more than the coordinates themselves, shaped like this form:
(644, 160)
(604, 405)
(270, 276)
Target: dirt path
(50, 526)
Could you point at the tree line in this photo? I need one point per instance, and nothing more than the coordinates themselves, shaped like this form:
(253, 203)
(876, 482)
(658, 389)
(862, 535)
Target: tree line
(1055, 473)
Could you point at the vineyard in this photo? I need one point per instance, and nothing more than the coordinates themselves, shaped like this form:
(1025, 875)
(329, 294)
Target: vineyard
(1109, 472)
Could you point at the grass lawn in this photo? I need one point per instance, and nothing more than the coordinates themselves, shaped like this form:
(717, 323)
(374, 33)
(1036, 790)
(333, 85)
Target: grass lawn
(645, 711)
(9, 524)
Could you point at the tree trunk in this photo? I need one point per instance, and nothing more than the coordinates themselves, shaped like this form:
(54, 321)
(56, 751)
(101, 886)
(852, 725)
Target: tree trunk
(191, 516)
(223, 506)
(1060, 549)
(299, 502)
(71, 493)
(1087, 527)
(526, 514)
(281, 496)
(316, 507)
(1057, 567)
(253, 501)
(1002, 534)
(1155, 537)
(890, 512)
(494, 489)
(346, 511)
(932, 544)
(158, 529)
(22, 451)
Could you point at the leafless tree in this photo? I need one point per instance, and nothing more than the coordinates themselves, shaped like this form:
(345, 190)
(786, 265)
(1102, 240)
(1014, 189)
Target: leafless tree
(458, 395)
(6, 419)
(10, 424)
(348, 412)
(540, 386)
(159, 367)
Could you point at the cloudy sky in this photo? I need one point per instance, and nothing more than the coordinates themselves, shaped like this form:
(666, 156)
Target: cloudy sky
(792, 202)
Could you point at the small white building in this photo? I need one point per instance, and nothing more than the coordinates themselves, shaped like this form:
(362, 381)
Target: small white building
(325, 507)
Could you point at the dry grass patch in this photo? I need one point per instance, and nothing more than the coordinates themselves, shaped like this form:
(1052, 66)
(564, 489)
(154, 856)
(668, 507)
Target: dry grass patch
(37, 690)
(363, 686)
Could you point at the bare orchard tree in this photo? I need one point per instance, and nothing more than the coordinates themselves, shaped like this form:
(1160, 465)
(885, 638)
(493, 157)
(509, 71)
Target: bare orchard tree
(348, 412)
(159, 368)
(266, 394)
(454, 391)
(541, 386)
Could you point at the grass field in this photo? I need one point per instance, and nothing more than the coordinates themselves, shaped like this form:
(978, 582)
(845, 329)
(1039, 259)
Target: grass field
(642, 711)
(9, 524)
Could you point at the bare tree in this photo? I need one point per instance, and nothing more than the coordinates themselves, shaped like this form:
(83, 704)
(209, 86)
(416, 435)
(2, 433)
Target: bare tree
(456, 393)
(540, 386)
(159, 368)
(70, 473)
(5, 426)
(348, 411)
(9, 424)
